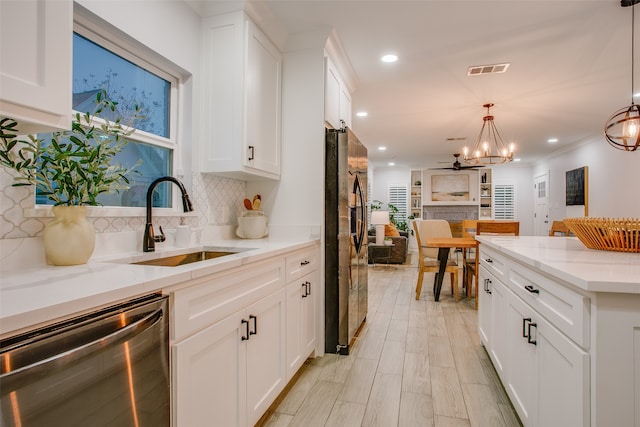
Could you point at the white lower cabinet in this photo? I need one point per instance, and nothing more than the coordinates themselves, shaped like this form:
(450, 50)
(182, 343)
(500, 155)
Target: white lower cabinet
(229, 373)
(210, 376)
(545, 374)
(491, 319)
(238, 336)
(301, 321)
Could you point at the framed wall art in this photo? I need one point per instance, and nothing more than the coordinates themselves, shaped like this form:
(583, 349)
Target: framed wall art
(449, 188)
(577, 192)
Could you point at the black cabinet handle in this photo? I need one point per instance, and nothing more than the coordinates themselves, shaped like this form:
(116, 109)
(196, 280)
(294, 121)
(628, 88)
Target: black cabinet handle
(255, 324)
(489, 260)
(524, 327)
(307, 289)
(305, 262)
(531, 289)
(246, 326)
(530, 339)
(252, 155)
(487, 282)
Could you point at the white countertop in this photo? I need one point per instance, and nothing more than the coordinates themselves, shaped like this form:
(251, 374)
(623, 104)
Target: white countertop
(40, 294)
(568, 259)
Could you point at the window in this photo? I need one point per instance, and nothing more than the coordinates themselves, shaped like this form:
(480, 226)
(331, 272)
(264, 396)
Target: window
(398, 196)
(504, 201)
(128, 79)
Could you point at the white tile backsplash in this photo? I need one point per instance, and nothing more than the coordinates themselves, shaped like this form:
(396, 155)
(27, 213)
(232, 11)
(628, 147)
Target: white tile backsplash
(217, 201)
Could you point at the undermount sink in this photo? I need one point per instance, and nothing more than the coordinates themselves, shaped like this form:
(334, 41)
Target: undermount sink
(182, 259)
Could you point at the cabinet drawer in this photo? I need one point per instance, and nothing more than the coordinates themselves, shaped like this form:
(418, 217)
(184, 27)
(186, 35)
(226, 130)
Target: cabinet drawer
(493, 262)
(564, 308)
(217, 296)
(301, 262)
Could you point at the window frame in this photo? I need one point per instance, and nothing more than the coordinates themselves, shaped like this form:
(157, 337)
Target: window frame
(132, 50)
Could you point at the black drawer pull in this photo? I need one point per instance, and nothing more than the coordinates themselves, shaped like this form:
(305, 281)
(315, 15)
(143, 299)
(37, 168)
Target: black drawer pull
(305, 292)
(255, 324)
(246, 326)
(252, 155)
(530, 339)
(489, 260)
(524, 327)
(305, 262)
(531, 289)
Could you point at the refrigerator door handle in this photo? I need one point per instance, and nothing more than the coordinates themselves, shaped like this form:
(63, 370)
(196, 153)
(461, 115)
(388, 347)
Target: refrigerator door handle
(359, 238)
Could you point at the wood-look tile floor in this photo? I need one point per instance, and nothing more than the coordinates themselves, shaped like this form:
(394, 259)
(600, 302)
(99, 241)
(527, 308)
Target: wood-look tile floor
(415, 363)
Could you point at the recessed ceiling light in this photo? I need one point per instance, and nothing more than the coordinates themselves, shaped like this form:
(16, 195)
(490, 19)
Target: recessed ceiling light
(552, 140)
(391, 164)
(517, 159)
(389, 58)
(382, 148)
(362, 114)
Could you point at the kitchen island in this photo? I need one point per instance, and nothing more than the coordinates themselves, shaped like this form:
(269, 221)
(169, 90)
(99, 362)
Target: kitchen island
(561, 324)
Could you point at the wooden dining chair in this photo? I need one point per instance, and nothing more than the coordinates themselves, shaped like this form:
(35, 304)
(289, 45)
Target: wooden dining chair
(559, 227)
(487, 227)
(468, 230)
(428, 257)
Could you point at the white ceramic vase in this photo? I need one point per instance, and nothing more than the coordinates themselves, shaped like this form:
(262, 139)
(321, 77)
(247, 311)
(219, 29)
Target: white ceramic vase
(69, 239)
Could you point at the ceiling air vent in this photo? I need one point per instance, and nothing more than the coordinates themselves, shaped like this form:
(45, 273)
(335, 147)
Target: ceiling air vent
(478, 70)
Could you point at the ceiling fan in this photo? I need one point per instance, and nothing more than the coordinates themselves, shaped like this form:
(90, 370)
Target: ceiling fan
(456, 166)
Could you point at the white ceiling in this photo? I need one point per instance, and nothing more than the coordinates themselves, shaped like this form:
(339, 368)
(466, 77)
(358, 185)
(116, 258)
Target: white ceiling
(570, 69)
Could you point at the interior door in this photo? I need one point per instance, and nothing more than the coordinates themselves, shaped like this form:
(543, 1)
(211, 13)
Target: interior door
(541, 205)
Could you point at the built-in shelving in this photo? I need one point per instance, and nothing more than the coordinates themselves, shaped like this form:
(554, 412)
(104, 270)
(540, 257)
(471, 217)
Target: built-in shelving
(486, 195)
(416, 193)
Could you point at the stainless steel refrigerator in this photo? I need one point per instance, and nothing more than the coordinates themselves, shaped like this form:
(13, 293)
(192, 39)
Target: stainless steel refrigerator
(345, 239)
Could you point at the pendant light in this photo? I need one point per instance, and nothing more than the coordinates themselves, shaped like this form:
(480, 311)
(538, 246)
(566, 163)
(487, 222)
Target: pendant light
(622, 130)
(490, 149)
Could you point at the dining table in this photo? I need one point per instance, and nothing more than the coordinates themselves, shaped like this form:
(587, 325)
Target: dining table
(444, 245)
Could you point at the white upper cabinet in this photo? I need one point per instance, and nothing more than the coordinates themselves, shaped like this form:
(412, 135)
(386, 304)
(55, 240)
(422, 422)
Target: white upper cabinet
(241, 100)
(337, 99)
(35, 63)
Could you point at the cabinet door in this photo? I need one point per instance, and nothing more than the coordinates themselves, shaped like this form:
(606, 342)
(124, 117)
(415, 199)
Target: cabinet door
(262, 124)
(491, 318)
(209, 376)
(521, 362)
(331, 95)
(563, 379)
(485, 307)
(35, 63)
(345, 105)
(295, 300)
(309, 315)
(266, 370)
(498, 348)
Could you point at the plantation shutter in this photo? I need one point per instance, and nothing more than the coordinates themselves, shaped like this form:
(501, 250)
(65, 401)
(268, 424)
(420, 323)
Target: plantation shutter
(398, 196)
(504, 201)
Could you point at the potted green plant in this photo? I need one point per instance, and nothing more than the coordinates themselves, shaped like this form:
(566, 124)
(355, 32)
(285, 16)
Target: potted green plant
(71, 168)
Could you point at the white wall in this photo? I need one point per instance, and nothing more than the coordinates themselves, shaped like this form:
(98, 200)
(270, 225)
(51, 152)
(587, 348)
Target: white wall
(521, 176)
(298, 198)
(614, 176)
(381, 177)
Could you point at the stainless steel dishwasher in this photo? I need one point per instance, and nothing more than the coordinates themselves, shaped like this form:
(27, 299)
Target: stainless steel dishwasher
(107, 368)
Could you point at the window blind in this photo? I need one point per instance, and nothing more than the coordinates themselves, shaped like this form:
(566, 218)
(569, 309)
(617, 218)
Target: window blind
(504, 201)
(398, 196)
